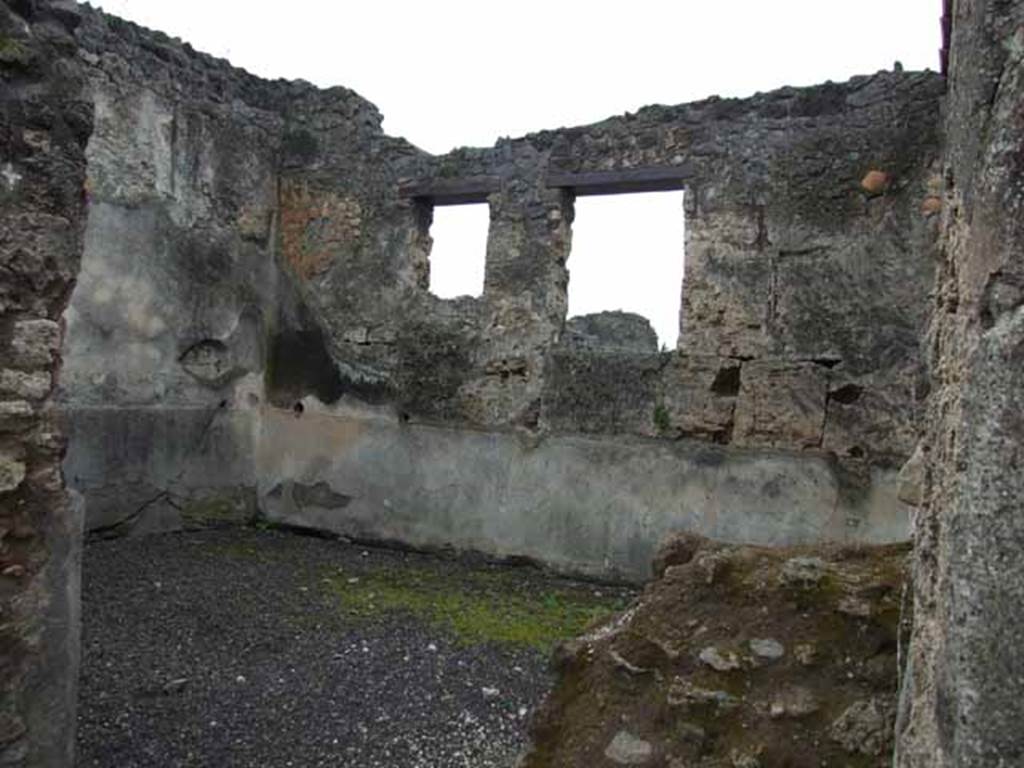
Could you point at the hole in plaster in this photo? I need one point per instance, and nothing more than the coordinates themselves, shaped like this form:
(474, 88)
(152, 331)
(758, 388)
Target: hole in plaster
(298, 409)
(209, 361)
(459, 250)
(847, 394)
(299, 365)
(627, 254)
(727, 382)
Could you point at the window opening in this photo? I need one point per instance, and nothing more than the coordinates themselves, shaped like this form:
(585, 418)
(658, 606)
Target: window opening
(627, 255)
(459, 250)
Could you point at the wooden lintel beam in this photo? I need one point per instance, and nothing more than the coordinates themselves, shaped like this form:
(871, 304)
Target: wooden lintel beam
(453, 191)
(621, 181)
(475, 189)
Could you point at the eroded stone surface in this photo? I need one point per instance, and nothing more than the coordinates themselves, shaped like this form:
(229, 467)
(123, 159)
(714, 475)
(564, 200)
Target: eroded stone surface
(34, 385)
(44, 123)
(224, 210)
(865, 727)
(767, 648)
(249, 242)
(12, 472)
(611, 332)
(962, 703)
(714, 701)
(627, 749)
(781, 404)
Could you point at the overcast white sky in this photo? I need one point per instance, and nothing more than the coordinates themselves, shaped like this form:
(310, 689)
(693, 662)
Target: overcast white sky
(449, 73)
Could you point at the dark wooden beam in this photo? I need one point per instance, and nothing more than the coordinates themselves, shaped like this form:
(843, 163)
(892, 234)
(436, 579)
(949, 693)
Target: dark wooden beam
(622, 181)
(462, 190)
(451, 191)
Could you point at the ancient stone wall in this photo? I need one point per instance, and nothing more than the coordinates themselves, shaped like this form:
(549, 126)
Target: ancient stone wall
(810, 218)
(962, 703)
(254, 317)
(253, 329)
(180, 294)
(811, 224)
(44, 125)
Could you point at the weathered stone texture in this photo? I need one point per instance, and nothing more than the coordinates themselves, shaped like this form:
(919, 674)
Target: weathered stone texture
(315, 226)
(802, 275)
(250, 245)
(180, 289)
(781, 404)
(182, 184)
(601, 392)
(735, 656)
(44, 125)
(698, 398)
(611, 332)
(962, 703)
(874, 416)
(249, 249)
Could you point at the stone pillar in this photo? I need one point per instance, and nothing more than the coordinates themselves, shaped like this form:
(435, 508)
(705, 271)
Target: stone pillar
(44, 126)
(524, 304)
(963, 690)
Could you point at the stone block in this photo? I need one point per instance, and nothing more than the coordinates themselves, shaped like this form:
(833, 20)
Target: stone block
(727, 288)
(32, 250)
(592, 392)
(15, 415)
(12, 472)
(698, 397)
(35, 343)
(912, 479)
(873, 417)
(611, 332)
(781, 404)
(28, 386)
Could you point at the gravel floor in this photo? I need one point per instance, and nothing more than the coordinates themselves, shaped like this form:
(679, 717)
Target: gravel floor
(228, 648)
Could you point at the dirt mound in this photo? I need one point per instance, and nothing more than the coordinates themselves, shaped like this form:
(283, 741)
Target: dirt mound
(736, 657)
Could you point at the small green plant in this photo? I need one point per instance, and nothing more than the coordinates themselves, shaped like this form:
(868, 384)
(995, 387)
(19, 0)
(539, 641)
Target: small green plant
(10, 49)
(448, 169)
(662, 422)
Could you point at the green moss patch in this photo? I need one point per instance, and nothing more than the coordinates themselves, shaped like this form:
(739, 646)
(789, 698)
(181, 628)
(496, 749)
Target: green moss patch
(477, 607)
(12, 51)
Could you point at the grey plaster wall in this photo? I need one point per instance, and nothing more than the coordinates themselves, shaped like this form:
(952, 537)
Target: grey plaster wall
(179, 291)
(149, 470)
(585, 504)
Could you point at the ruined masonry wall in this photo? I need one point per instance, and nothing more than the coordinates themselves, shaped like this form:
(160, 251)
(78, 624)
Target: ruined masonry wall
(805, 289)
(246, 248)
(44, 125)
(962, 703)
(253, 331)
